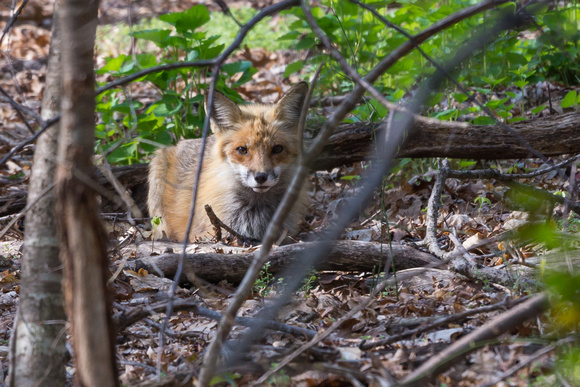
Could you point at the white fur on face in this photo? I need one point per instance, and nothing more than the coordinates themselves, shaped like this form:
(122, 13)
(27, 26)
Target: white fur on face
(247, 178)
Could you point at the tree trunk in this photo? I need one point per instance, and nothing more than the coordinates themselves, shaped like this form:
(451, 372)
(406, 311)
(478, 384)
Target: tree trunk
(39, 346)
(345, 256)
(83, 239)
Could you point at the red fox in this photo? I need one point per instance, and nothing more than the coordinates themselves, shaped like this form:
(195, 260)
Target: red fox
(249, 166)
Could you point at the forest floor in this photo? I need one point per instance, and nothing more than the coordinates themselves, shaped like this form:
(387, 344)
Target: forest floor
(474, 210)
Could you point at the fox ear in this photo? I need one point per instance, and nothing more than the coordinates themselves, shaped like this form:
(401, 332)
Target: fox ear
(225, 113)
(289, 108)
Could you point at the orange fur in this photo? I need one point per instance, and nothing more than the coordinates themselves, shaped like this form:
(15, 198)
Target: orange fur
(251, 161)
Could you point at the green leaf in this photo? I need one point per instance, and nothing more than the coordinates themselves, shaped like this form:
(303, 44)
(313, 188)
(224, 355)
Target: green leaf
(379, 107)
(192, 55)
(306, 42)
(123, 153)
(168, 106)
(538, 109)
(126, 107)
(517, 59)
(187, 21)
(292, 35)
(446, 115)
(293, 67)
(484, 120)
(112, 64)
(459, 97)
(569, 100)
(398, 94)
(434, 99)
(516, 119)
(158, 37)
(466, 163)
(236, 67)
(155, 221)
(350, 177)
(544, 233)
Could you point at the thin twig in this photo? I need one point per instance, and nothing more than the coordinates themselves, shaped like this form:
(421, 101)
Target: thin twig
(218, 224)
(13, 19)
(20, 108)
(122, 192)
(222, 4)
(433, 206)
(31, 139)
(26, 209)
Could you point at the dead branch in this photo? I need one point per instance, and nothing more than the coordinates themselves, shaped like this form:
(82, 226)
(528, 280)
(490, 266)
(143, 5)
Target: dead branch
(534, 357)
(493, 329)
(459, 260)
(217, 223)
(128, 318)
(345, 256)
(435, 322)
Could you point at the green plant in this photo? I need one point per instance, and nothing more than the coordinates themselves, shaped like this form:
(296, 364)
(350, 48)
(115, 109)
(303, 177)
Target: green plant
(280, 378)
(308, 282)
(509, 60)
(263, 282)
(481, 200)
(128, 130)
(571, 100)
(155, 222)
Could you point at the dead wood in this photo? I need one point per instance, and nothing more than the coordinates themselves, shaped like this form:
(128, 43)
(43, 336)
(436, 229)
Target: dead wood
(345, 256)
(493, 329)
(128, 318)
(551, 136)
(426, 324)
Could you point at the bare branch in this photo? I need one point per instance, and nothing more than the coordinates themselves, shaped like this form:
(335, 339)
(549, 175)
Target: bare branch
(493, 329)
(443, 320)
(13, 19)
(21, 110)
(128, 318)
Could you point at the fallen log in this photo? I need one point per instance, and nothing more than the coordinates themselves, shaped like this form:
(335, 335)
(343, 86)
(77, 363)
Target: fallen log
(552, 136)
(352, 256)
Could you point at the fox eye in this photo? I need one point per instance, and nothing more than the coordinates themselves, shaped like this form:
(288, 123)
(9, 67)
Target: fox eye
(277, 149)
(242, 150)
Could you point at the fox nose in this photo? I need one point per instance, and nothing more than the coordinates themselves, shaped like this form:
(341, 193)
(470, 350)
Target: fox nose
(261, 177)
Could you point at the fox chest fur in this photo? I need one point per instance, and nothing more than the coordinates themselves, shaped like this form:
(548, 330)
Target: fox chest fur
(248, 168)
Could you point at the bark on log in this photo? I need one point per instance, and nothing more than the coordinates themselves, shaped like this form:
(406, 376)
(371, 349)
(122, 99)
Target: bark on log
(345, 256)
(552, 136)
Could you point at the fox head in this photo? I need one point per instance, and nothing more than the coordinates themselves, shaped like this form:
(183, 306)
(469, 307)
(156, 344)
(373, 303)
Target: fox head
(258, 141)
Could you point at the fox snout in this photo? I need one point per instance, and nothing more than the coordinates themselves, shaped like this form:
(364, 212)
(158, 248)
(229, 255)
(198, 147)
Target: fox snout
(261, 181)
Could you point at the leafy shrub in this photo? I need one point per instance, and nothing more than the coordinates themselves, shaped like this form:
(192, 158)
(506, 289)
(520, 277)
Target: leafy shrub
(129, 130)
(515, 58)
